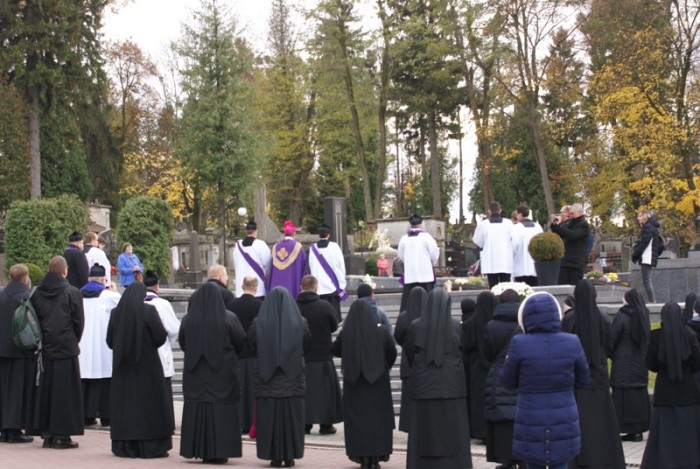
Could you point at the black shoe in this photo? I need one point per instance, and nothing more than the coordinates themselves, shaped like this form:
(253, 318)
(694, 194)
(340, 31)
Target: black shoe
(48, 443)
(64, 443)
(3, 437)
(635, 437)
(289, 463)
(19, 438)
(327, 430)
(275, 463)
(215, 461)
(90, 422)
(105, 422)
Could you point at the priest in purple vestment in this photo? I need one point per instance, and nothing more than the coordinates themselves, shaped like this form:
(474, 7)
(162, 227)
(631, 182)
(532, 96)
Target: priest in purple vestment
(288, 262)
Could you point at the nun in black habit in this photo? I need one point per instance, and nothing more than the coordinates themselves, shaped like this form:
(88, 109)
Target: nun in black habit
(211, 338)
(279, 334)
(674, 354)
(142, 420)
(600, 435)
(438, 436)
(416, 303)
(474, 333)
(629, 375)
(368, 352)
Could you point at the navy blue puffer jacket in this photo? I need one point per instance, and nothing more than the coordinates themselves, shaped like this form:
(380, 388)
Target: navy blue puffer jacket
(545, 365)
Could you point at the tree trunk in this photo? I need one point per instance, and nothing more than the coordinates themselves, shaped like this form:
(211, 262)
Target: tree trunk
(434, 164)
(538, 150)
(381, 111)
(359, 145)
(34, 144)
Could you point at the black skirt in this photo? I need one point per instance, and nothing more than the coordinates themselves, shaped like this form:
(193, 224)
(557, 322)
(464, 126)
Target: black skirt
(323, 398)
(59, 400)
(406, 403)
(439, 435)
(499, 442)
(246, 403)
(633, 409)
(145, 449)
(210, 430)
(601, 446)
(17, 377)
(96, 397)
(280, 428)
(673, 437)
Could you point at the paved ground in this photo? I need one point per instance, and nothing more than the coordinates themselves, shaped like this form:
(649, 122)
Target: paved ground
(322, 452)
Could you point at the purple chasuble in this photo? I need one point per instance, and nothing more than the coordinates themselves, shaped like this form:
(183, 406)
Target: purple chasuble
(288, 266)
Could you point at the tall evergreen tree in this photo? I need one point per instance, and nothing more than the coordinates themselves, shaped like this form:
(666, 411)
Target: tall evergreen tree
(216, 140)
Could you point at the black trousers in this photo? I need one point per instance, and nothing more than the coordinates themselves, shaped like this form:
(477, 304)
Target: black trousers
(407, 290)
(495, 279)
(528, 279)
(570, 275)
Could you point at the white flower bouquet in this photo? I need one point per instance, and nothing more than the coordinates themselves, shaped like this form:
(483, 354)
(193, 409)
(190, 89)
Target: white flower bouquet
(523, 289)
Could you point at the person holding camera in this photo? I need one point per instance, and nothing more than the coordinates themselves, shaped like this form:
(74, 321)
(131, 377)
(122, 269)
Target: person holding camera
(574, 232)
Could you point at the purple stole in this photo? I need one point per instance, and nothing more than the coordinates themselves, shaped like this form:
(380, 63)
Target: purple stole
(253, 265)
(331, 274)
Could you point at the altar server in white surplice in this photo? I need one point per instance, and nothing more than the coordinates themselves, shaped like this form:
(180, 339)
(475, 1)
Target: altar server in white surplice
(171, 324)
(251, 256)
(493, 236)
(419, 252)
(327, 264)
(523, 231)
(95, 356)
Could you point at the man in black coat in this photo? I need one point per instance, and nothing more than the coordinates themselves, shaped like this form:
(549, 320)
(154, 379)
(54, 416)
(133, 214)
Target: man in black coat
(218, 275)
(323, 398)
(78, 268)
(574, 233)
(59, 409)
(16, 367)
(246, 308)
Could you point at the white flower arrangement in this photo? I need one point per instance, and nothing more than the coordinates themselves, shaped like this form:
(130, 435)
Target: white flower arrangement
(368, 280)
(523, 289)
(380, 240)
(472, 281)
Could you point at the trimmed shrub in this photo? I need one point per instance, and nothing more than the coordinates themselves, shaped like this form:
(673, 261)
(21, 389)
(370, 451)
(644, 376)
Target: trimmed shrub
(546, 246)
(37, 230)
(36, 273)
(147, 223)
(371, 264)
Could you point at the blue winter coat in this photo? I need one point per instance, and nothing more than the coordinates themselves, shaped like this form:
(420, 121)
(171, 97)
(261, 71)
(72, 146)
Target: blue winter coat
(545, 365)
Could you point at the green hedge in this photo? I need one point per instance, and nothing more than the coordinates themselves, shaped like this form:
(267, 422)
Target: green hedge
(147, 223)
(37, 230)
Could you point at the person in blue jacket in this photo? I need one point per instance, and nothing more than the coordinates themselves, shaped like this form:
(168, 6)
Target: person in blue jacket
(545, 365)
(129, 265)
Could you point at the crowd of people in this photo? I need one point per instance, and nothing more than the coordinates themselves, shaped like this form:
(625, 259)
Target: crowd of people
(527, 377)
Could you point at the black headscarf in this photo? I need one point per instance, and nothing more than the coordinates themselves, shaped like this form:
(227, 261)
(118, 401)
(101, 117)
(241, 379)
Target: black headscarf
(279, 334)
(128, 325)
(689, 305)
(639, 332)
(416, 304)
(486, 304)
(468, 307)
(362, 346)
(434, 329)
(588, 322)
(204, 327)
(674, 348)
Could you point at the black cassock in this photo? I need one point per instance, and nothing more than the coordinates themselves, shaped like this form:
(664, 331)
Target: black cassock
(368, 352)
(211, 338)
(142, 423)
